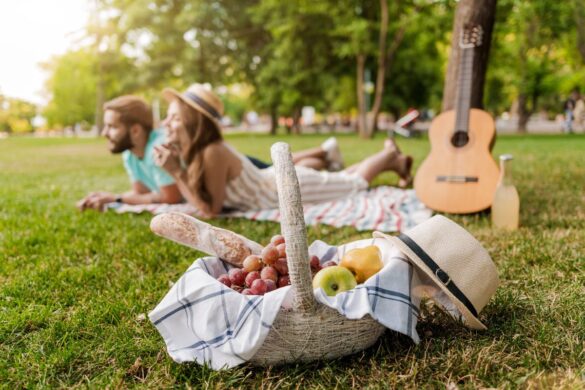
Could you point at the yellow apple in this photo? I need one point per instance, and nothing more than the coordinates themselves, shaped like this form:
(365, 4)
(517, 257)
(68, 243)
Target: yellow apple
(363, 262)
(334, 280)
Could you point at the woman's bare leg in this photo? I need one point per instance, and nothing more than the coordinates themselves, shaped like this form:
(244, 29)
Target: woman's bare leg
(317, 152)
(312, 158)
(404, 164)
(390, 143)
(372, 166)
(326, 156)
(312, 162)
(389, 159)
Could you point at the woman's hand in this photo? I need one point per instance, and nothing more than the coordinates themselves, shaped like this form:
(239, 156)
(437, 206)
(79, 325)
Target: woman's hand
(167, 157)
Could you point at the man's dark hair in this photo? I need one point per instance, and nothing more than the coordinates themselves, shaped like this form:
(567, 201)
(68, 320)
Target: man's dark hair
(133, 110)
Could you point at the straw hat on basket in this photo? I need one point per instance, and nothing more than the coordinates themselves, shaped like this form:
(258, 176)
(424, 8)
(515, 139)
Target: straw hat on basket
(201, 99)
(454, 260)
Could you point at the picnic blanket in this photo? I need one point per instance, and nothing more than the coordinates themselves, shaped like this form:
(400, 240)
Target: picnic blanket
(202, 320)
(384, 208)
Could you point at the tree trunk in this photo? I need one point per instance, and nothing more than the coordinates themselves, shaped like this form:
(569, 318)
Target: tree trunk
(362, 114)
(478, 12)
(580, 22)
(390, 56)
(381, 73)
(100, 97)
(273, 120)
(523, 113)
(296, 127)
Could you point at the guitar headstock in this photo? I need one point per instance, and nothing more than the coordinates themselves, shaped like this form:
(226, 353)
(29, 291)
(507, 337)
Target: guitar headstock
(471, 36)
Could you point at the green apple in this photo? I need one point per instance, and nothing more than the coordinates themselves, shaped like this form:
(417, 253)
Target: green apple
(334, 280)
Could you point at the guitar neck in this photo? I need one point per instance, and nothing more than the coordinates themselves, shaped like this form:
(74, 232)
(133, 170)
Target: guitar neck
(463, 100)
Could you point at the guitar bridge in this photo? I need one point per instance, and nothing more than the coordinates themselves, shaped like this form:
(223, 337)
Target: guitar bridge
(457, 179)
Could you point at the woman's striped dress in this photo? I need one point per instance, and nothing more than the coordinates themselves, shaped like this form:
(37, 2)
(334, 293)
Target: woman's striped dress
(255, 189)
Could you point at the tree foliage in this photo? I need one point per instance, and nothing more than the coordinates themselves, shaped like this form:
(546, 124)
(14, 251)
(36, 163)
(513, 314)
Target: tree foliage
(299, 52)
(16, 115)
(74, 81)
(73, 89)
(535, 61)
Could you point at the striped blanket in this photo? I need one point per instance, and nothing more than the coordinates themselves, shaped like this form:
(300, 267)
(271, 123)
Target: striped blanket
(384, 208)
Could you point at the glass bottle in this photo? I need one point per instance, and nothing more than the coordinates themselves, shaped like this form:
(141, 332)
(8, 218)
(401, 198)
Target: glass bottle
(506, 204)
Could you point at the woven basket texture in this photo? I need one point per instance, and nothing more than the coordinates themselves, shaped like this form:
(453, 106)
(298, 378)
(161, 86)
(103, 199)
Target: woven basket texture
(310, 331)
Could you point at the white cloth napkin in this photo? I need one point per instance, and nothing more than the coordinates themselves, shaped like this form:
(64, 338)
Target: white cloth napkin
(386, 296)
(202, 320)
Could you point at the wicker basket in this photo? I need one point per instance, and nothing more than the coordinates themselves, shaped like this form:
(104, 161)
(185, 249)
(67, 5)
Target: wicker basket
(310, 331)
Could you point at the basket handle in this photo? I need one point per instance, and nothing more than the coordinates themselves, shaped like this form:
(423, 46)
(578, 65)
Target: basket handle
(292, 222)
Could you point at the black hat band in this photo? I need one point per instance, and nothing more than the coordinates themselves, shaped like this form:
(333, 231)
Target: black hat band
(439, 273)
(203, 104)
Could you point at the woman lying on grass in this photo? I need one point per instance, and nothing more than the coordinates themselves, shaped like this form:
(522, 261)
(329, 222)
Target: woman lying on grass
(212, 175)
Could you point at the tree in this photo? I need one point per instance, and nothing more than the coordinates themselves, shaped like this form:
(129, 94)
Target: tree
(292, 53)
(419, 33)
(178, 42)
(72, 88)
(355, 25)
(297, 53)
(368, 34)
(417, 70)
(297, 70)
(73, 85)
(151, 35)
(16, 115)
(580, 23)
(532, 55)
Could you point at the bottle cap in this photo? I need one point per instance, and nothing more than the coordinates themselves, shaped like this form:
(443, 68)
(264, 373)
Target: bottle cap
(506, 157)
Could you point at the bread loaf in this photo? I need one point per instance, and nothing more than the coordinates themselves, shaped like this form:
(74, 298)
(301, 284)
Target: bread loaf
(196, 234)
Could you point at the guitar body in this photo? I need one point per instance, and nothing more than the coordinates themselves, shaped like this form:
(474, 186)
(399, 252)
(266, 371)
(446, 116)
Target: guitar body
(459, 179)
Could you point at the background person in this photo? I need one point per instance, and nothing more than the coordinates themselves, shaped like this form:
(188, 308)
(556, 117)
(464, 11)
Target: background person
(579, 114)
(569, 107)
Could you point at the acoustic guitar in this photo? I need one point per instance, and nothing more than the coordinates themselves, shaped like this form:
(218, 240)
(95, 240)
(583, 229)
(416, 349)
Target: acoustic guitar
(459, 175)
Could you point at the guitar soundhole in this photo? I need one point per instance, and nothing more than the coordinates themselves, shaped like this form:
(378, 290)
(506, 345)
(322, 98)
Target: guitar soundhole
(459, 139)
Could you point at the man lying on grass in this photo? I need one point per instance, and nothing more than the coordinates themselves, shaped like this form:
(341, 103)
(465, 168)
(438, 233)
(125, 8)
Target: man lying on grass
(128, 126)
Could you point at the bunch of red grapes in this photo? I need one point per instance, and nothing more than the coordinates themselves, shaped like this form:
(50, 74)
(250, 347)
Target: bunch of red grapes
(264, 273)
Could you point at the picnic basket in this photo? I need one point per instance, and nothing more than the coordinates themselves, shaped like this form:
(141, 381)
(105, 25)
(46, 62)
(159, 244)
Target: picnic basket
(309, 331)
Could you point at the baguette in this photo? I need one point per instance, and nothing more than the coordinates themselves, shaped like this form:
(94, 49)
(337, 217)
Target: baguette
(189, 231)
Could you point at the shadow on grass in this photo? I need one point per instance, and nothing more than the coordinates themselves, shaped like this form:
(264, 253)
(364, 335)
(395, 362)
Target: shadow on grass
(503, 317)
(391, 346)
(439, 333)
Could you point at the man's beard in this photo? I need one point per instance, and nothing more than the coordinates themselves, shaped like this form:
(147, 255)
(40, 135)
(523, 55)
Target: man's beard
(122, 145)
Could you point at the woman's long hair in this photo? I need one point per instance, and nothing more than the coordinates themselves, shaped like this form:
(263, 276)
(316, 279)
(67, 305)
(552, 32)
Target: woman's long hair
(200, 131)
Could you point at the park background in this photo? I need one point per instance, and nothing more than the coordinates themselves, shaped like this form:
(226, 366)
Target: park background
(75, 288)
(272, 58)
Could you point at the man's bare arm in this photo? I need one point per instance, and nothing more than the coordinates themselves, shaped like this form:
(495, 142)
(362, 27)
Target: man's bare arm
(140, 194)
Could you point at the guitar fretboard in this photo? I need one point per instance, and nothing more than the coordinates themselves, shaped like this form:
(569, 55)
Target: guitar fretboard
(463, 101)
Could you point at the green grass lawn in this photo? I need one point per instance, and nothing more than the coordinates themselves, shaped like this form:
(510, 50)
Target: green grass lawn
(74, 287)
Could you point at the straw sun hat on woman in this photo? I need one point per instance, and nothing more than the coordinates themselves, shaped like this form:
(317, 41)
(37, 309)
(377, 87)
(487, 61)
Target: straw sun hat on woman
(200, 98)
